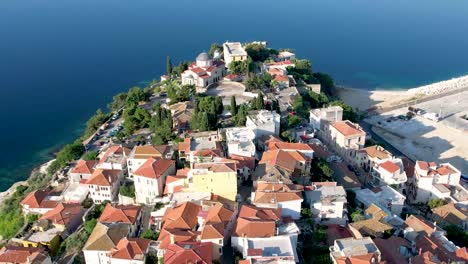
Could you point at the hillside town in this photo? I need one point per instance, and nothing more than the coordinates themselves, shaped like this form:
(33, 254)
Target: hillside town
(241, 156)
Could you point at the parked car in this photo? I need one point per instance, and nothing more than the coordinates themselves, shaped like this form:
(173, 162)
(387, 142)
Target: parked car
(351, 168)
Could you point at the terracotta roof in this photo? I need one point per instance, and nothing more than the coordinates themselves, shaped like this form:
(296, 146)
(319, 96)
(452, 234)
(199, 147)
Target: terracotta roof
(390, 249)
(281, 78)
(278, 187)
(84, 166)
(106, 237)
(120, 214)
(360, 259)
(63, 213)
(389, 166)
(377, 152)
(170, 236)
(208, 153)
(419, 225)
(148, 151)
(375, 211)
(196, 253)
(183, 216)
(38, 199)
(154, 168)
(212, 231)
(174, 178)
(423, 165)
(254, 228)
(284, 159)
(218, 214)
(104, 177)
(450, 214)
(130, 249)
(185, 146)
(253, 212)
(445, 170)
(371, 227)
(256, 222)
(183, 172)
(289, 146)
(216, 167)
(432, 245)
(19, 255)
(347, 128)
(276, 197)
(115, 150)
(243, 161)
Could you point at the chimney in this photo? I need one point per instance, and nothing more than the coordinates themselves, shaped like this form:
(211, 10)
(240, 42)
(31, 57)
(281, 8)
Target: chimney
(420, 251)
(110, 179)
(277, 231)
(435, 226)
(172, 239)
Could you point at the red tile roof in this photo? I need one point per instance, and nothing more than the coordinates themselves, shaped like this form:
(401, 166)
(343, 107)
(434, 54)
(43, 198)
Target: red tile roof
(63, 213)
(431, 244)
(19, 255)
(248, 162)
(170, 236)
(154, 168)
(185, 146)
(183, 216)
(38, 199)
(195, 253)
(84, 166)
(120, 214)
(347, 128)
(419, 225)
(281, 78)
(114, 150)
(256, 222)
(289, 146)
(284, 159)
(104, 177)
(130, 249)
(389, 166)
(390, 249)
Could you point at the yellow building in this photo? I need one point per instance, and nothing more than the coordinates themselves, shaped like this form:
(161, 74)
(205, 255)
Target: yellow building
(44, 235)
(217, 177)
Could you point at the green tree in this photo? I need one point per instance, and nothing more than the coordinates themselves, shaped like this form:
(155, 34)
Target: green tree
(241, 116)
(238, 67)
(257, 102)
(89, 225)
(135, 95)
(326, 81)
(233, 106)
(150, 234)
(434, 203)
(357, 216)
(168, 66)
(95, 122)
(293, 121)
(348, 111)
(90, 155)
(253, 83)
(457, 235)
(351, 198)
(257, 52)
(219, 105)
(117, 102)
(214, 47)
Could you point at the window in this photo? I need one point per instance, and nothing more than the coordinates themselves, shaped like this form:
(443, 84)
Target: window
(129, 163)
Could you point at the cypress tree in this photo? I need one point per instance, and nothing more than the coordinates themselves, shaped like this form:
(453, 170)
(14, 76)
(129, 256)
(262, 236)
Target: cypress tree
(233, 106)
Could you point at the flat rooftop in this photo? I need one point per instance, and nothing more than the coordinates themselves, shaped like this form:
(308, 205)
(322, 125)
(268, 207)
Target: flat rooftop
(234, 49)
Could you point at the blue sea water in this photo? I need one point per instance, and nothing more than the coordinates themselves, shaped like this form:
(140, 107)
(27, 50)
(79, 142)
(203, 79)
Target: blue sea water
(61, 60)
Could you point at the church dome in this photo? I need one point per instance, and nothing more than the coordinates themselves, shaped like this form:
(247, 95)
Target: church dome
(203, 57)
(204, 60)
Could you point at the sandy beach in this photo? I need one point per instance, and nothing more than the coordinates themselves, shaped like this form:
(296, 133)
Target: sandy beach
(364, 99)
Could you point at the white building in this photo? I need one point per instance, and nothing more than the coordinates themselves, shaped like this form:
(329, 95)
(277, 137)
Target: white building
(384, 196)
(321, 117)
(149, 179)
(140, 154)
(281, 65)
(287, 197)
(102, 240)
(82, 170)
(233, 51)
(285, 55)
(366, 158)
(115, 158)
(355, 250)
(277, 249)
(204, 71)
(437, 181)
(104, 185)
(389, 172)
(263, 123)
(240, 141)
(346, 138)
(327, 201)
